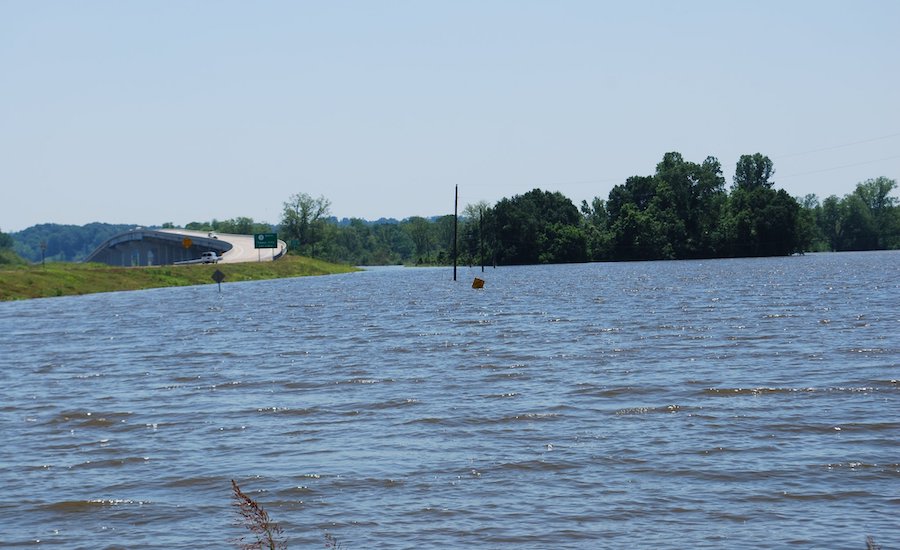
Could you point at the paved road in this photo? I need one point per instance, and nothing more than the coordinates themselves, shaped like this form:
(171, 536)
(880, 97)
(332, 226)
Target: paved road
(242, 246)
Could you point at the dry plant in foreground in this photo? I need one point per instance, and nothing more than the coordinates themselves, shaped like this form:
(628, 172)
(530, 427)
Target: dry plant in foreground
(332, 543)
(266, 532)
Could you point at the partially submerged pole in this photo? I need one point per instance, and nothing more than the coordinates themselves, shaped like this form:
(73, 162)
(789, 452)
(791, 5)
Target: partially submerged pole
(455, 223)
(481, 236)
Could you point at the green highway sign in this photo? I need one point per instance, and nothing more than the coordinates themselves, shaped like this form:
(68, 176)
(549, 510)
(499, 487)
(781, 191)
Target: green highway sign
(265, 240)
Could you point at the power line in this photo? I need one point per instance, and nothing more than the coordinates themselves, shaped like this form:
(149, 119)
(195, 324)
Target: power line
(833, 147)
(779, 157)
(840, 167)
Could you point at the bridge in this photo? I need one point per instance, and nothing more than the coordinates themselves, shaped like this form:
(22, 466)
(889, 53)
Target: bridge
(142, 246)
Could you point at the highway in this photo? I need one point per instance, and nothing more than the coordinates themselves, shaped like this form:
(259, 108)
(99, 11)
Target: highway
(242, 249)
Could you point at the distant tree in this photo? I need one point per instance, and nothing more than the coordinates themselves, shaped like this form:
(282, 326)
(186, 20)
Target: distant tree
(866, 219)
(443, 236)
(831, 222)
(526, 227)
(350, 243)
(761, 222)
(875, 194)
(809, 233)
(638, 235)
(199, 226)
(860, 230)
(238, 226)
(474, 240)
(303, 219)
(637, 191)
(8, 256)
(422, 235)
(560, 243)
(596, 218)
(390, 244)
(6, 242)
(681, 204)
(753, 171)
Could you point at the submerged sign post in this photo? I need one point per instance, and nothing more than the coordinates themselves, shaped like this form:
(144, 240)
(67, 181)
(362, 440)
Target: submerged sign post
(218, 277)
(265, 240)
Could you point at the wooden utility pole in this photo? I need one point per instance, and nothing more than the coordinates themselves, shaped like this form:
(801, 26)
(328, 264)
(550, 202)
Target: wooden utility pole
(455, 223)
(481, 236)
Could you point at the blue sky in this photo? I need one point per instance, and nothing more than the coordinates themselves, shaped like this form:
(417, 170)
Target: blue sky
(149, 112)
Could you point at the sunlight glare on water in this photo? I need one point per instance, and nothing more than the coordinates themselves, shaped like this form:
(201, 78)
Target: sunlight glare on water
(706, 404)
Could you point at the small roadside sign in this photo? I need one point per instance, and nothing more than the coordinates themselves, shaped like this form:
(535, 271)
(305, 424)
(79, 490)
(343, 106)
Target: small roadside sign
(265, 240)
(218, 277)
(186, 242)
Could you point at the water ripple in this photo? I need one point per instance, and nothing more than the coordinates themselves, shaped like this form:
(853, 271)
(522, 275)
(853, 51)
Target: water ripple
(650, 404)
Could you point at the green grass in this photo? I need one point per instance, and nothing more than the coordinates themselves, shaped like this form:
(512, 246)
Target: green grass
(67, 279)
(8, 258)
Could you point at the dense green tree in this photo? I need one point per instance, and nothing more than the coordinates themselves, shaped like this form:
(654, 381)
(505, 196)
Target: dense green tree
(753, 171)
(638, 235)
(809, 234)
(866, 219)
(709, 198)
(596, 224)
(637, 191)
(473, 235)
(235, 226)
(860, 230)
(875, 195)
(831, 222)
(349, 243)
(760, 221)
(391, 244)
(524, 229)
(683, 200)
(561, 243)
(423, 237)
(303, 220)
(8, 256)
(6, 242)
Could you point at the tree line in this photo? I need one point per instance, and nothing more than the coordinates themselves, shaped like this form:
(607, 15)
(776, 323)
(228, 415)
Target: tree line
(684, 210)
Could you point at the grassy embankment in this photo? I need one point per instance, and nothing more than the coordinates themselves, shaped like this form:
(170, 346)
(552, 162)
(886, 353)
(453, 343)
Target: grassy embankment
(66, 279)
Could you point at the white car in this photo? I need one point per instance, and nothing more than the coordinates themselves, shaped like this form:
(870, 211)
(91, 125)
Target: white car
(209, 258)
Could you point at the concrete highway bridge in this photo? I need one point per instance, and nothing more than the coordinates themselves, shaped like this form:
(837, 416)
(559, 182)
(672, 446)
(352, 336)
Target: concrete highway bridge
(166, 246)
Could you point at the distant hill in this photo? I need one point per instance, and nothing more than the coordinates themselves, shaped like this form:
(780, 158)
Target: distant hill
(65, 243)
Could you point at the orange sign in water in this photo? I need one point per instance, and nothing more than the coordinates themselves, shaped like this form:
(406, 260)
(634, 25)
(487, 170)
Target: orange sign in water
(478, 283)
(187, 242)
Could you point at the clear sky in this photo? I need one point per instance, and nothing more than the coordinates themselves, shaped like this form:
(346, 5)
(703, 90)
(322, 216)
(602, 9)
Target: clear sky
(148, 112)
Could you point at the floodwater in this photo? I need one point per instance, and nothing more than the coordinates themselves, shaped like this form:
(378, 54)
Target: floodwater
(751, 403)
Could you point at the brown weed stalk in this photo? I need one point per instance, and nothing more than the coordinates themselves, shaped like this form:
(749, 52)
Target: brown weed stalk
(267, 533)
(332, 543)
